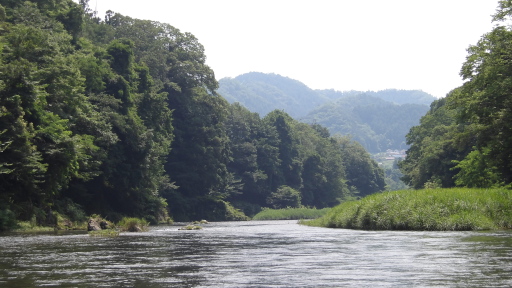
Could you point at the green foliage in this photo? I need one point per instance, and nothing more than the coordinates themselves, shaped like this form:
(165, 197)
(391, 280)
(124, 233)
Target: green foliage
(290, 213)
(277, 150)
(466, 138)
(364, 176)
(376, 124)
(431, 209)
(121, 117)
(64, 109)
(435, 143)
(377, 120)
(132, 224)
(393, 176)
(474, 170)
(7, 219)
(191, 227)
(233, 214)
(285, 196)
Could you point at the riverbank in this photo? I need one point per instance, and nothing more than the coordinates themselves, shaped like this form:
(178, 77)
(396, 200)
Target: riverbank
(290, 214)
(430, 209)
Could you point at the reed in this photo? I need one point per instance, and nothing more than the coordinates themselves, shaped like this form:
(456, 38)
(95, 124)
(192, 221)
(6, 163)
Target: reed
(290, 214)
(132, 224)
(430, 209)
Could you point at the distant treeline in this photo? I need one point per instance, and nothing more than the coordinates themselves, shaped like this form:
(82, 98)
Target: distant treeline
(377, 120)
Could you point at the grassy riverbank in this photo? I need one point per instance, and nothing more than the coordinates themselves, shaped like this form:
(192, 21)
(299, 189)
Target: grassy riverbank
(290, 214)
(432, 209)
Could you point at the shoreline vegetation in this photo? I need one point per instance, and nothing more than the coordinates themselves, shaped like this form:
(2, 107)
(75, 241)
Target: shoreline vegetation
(290, 213)
(105, 227)
(442, 209)
(454, 209)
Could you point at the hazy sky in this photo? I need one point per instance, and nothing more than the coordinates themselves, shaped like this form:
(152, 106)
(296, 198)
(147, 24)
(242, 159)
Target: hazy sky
(338, 44)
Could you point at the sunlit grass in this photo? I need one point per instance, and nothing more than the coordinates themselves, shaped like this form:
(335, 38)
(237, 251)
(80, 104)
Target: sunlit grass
(28, 226)
(431, 209)
(132, 224)
(290, 214)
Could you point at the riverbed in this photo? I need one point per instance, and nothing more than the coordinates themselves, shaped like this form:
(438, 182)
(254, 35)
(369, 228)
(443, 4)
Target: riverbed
(258, 254)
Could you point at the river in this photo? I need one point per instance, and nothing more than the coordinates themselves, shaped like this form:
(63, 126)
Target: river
(258, 254)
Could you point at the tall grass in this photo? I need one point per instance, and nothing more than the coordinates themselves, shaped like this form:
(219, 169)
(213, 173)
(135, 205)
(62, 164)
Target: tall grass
(290, 214)
(430, 209)
(132, 224)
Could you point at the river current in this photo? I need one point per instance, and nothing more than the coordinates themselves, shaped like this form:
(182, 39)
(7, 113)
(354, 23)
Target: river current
(258, 254)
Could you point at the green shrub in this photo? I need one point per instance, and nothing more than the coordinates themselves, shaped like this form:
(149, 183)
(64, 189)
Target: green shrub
(103, 222)
(132, 224)
(233, 214)
(285, 196)
(7, 219)
(191, 227)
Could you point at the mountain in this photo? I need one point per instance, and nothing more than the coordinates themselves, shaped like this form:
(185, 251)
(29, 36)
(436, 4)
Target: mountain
(376, 124)
(379, 120)
(263, 93)
(391, 95)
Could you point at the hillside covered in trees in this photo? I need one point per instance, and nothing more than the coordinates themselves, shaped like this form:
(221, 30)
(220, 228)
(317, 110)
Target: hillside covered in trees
(465, 139)
(377, 120)
(121, 116)
(376, 124)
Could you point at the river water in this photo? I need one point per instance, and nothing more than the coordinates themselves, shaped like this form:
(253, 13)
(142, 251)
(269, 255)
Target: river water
(258, 254)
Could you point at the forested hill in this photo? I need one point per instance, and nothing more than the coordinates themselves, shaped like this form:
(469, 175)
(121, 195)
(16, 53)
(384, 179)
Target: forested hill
(378, 120)
(118, 116)
(377, 124)
(262, 93)
(391, 95)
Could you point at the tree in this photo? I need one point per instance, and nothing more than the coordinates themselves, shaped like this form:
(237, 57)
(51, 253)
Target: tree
(290, 167)
(364, 176)
(484, 99)
(466, 138)
(284, 197)
(435, 143)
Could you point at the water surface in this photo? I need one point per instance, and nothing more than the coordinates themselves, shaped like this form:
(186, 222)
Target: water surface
(258, 254)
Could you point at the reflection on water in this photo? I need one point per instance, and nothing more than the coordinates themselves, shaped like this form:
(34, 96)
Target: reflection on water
(258, 254)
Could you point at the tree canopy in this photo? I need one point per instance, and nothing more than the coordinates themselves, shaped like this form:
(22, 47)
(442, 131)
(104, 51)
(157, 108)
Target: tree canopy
(466, 138)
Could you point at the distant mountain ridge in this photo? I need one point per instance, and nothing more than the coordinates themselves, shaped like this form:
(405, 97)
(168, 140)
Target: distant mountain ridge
(379, 120)
(263, 93)
(391, 95)
(375, 123)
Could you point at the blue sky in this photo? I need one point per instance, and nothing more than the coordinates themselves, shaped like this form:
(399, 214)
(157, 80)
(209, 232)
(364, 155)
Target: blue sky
(329, 44)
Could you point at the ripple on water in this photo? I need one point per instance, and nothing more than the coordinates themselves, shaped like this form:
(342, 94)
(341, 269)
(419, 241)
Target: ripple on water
(259, 254)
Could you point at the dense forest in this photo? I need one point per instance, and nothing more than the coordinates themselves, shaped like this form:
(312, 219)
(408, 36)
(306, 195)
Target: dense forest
(465, 139)
(377, 120)
(121, 116)
(376, 124)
